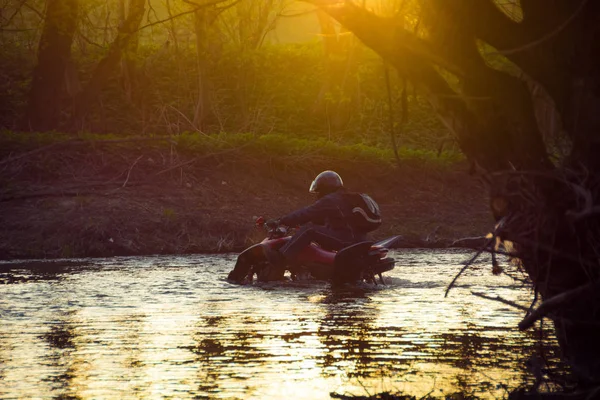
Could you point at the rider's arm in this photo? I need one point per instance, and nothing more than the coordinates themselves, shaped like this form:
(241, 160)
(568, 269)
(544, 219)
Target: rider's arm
(316, 212)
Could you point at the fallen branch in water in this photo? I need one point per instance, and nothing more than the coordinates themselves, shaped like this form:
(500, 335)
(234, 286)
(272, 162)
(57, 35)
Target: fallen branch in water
(483, 248)
(467, 265)
(501, 300)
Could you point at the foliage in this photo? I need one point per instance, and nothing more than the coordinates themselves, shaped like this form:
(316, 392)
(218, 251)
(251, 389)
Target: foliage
(270, 89)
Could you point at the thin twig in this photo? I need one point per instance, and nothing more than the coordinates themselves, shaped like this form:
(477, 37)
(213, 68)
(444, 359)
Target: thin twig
(391, 112)
(35, 10)
(130, 168)
(544, 38)
(468, 264)
(88, 40)
(187, 120)
(212, 3)
(14, 14)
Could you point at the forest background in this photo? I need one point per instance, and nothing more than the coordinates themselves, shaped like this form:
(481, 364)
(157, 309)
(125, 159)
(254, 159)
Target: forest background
(161, 116)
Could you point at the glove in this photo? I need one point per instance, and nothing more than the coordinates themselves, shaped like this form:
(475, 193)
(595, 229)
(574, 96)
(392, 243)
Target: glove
(272, 223)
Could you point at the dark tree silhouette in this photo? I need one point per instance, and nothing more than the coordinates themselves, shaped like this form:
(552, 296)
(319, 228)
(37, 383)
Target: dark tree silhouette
(531, 126)
(43, 107)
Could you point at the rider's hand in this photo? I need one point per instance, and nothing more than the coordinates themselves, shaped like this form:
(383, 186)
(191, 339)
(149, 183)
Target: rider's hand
(272, 223)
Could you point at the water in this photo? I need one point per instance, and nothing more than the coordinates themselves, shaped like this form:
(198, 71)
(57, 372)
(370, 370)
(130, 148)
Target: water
(172, 327)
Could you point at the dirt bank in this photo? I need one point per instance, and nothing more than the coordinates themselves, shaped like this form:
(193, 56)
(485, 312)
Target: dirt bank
(133, 197)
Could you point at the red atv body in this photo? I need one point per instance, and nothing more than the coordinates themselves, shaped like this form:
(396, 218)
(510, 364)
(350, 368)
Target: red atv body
(362, 261)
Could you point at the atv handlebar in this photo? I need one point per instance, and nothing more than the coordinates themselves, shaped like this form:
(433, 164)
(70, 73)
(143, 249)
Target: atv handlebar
(270, 223)
(272, 226)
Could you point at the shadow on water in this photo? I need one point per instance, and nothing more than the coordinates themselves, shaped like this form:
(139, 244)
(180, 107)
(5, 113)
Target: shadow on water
(213, 350)
(347, 331)
(33, 271)
(61, 337)
(350, 333)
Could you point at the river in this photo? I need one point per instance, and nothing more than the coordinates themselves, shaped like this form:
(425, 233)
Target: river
(173, 327)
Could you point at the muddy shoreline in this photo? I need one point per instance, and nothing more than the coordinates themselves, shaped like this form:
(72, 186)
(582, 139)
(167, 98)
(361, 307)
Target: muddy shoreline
(112, 199)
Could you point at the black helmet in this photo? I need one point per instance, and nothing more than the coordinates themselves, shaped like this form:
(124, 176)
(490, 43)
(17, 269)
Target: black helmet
(326, 182)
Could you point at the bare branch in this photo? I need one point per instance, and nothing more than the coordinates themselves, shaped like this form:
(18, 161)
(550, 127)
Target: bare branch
(468, 264)
(14, 14)
(88, 40)
(181, 14)
(546, 37)
(130, 168)
(35, 10)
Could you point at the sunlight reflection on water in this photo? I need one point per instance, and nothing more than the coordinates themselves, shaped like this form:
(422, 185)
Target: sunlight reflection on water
(171, 326)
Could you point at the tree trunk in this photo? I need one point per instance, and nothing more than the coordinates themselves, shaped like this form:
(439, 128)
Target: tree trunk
(108, 65)
(129, 59)
(204, 112)
(44, 102)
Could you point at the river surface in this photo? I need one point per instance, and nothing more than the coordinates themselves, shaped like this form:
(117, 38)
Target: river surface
(173, 327)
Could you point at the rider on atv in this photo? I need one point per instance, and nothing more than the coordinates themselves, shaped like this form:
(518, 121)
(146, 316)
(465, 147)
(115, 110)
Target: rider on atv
(337, 219)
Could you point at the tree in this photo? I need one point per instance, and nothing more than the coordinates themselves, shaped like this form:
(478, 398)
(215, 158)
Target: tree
(246, 25)
(204, 27)
(54, 52)
(339, 88)
(107, 65)
(545, 204)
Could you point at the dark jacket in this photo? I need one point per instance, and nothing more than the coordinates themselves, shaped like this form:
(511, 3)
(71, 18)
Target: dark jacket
(334, 211)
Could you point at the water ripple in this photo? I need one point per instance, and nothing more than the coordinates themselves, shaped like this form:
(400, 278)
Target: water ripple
(156, 327)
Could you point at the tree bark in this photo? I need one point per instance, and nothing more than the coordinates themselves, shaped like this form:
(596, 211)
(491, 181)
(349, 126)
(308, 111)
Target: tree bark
(44, 102)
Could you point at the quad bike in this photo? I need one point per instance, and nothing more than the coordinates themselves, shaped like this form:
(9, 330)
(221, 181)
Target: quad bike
(362, 261)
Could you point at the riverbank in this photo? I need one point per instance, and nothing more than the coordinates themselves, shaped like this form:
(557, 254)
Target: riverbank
(100, 197)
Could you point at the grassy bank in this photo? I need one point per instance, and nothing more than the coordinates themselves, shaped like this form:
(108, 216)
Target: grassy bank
(76, 196)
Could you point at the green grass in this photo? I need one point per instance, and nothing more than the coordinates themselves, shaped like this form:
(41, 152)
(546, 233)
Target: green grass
(272, 145)
(284, 145)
